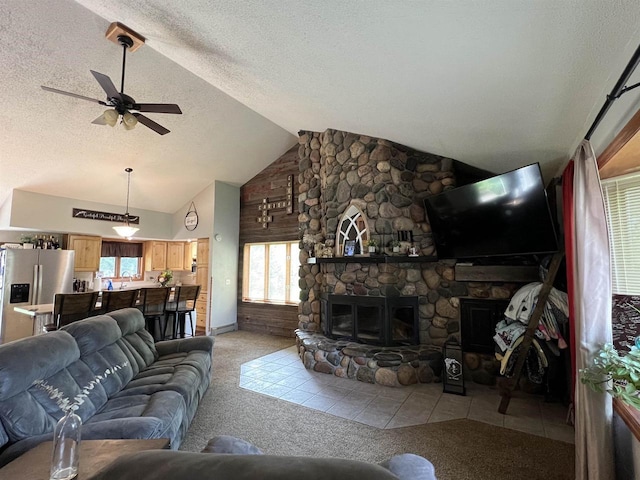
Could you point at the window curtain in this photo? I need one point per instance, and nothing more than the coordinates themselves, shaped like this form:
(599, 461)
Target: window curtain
(121, 249)
(589, 278)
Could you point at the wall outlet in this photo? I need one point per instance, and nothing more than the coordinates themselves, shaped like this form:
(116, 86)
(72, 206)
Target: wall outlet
(227, 281)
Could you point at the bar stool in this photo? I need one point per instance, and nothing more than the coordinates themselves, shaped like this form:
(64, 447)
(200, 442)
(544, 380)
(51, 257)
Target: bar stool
(117, 299)
(153, 301)
(71, 307)
(184, 303)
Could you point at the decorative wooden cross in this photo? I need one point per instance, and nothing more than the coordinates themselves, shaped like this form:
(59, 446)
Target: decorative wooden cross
(265, 219)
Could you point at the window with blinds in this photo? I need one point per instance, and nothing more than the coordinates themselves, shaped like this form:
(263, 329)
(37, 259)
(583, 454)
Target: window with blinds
(622, 203)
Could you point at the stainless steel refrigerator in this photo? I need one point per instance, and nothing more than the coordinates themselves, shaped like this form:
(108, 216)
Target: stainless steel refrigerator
(30, 277)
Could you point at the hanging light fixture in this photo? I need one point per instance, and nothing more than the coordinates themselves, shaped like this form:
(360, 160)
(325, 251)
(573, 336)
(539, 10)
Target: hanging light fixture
(126, 230)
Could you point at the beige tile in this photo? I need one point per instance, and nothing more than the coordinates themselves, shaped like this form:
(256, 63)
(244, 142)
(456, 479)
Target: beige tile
(524, 424)
(273, 377)
(289, 370)
(287, 360)
(359, 397)
(255, 372)
(400, 421)
(384, 406)
(554, 413)
(367, 387)
(373, 419)
(450, 407)
(311, 386)
(296, 396)
(256, 385)
(292, 381)
(421, 400)
(564, 433)
(480, 413)
(344, 410)
(274, 390)
(399, 393)
(318, 402)
(334, 392)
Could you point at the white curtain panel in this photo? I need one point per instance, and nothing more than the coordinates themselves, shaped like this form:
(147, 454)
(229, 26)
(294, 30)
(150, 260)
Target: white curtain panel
(592, 282)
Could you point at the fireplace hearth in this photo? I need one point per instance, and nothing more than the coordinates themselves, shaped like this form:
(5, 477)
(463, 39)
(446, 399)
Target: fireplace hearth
(384, 321)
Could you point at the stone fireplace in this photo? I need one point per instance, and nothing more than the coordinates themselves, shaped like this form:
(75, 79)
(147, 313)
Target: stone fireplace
(387, 183)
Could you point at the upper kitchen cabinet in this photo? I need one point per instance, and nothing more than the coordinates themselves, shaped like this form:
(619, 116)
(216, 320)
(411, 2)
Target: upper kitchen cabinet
(175, 256)
(88, 250)
(155, 255)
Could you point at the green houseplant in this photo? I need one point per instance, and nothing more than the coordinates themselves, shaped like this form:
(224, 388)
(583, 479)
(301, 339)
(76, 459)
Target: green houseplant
(372, 244)
(618, 375)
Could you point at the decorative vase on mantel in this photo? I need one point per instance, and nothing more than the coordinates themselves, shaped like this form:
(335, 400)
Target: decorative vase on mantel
(66, 447)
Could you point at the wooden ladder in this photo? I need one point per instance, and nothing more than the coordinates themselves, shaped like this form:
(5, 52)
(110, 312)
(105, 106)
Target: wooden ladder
(509, 384)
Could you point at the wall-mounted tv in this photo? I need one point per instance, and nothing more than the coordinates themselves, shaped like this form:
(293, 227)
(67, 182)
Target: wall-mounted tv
(501, 216)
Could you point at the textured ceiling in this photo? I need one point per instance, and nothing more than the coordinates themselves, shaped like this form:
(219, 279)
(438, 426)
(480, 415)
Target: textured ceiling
(497, 84)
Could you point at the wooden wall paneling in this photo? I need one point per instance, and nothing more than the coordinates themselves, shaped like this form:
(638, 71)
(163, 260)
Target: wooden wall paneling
(271, 183)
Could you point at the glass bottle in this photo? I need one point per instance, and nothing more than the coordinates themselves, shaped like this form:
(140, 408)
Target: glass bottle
(66, 447)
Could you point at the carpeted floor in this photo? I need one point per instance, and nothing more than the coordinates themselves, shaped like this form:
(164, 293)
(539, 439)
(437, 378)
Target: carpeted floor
(459, 449)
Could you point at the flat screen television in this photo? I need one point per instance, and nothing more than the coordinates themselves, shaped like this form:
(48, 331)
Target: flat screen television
(505, 215)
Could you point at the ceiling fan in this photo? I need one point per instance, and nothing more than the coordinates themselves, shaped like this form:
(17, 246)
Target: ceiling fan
(122, 104)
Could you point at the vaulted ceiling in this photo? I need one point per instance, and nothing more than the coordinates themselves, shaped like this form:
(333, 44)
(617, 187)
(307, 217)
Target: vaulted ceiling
(496, 84)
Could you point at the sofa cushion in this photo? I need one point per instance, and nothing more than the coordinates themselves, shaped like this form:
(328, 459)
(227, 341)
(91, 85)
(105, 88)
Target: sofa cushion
(119, 417)
(46, 356)
(26, 407)
(199, 466)
(134, 335)
(101, 348)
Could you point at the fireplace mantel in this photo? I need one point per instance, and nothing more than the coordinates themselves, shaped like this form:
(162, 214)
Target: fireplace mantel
(374, 259)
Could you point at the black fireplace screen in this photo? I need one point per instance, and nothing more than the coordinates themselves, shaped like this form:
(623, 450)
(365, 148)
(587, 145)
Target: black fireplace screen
(373, 320)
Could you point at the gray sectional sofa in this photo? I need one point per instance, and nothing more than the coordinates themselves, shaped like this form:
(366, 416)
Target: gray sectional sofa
(141, 389)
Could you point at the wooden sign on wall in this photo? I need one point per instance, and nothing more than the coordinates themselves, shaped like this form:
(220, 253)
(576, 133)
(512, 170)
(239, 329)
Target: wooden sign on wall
(105, 216)
(277, 204)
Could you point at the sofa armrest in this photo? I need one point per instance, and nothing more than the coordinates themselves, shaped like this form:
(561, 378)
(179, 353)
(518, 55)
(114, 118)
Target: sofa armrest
(204, 343)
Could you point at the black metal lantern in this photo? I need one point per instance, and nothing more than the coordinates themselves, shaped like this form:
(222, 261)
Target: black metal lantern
(452, 376)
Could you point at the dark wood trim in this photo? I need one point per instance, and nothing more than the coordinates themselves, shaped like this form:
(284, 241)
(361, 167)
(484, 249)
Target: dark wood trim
(629, 415)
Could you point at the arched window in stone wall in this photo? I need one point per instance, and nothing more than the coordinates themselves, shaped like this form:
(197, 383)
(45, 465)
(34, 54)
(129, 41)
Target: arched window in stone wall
(353, 227)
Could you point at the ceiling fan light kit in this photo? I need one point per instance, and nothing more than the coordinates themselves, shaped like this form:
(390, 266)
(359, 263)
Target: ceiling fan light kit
(121, 103)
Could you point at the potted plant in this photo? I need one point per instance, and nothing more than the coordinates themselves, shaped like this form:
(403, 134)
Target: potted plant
(372, 244)
(395, 246)
(165, 277)
(618, 375)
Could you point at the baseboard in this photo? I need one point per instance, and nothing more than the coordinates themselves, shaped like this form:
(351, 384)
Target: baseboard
(224, 329)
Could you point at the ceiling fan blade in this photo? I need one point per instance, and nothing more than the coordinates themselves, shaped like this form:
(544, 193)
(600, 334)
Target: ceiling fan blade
(157, 108)
(74, 95)
(147, 122)
(107, 85)
(100, 120)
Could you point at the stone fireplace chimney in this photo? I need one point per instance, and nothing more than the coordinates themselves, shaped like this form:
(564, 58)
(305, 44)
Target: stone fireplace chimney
(388, 183)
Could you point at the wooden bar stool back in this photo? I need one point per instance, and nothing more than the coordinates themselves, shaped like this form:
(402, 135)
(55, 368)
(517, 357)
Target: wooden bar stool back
(153, 301)
(117, 299)
(71, 307)
(184, 303)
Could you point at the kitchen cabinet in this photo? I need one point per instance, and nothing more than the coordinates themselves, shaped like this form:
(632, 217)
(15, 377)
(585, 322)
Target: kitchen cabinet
(87, 252)
(202, 279)
(155, 255)
(190, 252)
(175, 256)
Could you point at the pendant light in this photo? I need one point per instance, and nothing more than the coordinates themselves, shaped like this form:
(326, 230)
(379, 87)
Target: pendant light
(126, 230)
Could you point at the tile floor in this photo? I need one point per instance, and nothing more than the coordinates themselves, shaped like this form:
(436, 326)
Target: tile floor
(282, 375)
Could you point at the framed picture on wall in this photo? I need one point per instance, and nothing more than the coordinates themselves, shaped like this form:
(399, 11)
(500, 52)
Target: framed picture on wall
(349, 248)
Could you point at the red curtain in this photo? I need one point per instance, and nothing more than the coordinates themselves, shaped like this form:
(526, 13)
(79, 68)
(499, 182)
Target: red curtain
(568, 215)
